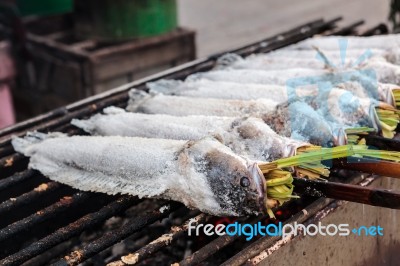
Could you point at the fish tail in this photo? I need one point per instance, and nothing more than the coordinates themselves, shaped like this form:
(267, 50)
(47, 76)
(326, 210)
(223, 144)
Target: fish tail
(136, 98)
(23, 145)
(90, 125)
(112, 110)
(165, 86)
(86, 125)
(227, 60)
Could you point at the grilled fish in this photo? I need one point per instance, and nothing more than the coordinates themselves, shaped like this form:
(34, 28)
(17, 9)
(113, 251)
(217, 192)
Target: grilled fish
(276, 93)
(384, 42)
(248, 136)
(385, 71)
(318, 131)
(274, 77)
(143, 102)
(202, 174)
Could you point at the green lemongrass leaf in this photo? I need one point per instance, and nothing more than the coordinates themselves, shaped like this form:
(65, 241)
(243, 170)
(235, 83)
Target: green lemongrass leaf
(311, 160)
(270, 213)
(387, 127)
(323, 171)
(276, 195)
(389, 134)
(279, 181)
(323, 154)
(353, 139)
(274, 174)
(283, 190)
(390, 121)
(359, 130)
(384, 112)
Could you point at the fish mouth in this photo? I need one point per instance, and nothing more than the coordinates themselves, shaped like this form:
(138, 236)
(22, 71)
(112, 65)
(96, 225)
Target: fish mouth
(260, 185)
(374, 117)
(339, 136)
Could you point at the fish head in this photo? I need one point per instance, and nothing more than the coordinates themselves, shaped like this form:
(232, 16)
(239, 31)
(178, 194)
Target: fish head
(237, 184)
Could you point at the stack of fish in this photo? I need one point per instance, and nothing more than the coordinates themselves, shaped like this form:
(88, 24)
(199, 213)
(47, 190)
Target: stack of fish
(227, 141)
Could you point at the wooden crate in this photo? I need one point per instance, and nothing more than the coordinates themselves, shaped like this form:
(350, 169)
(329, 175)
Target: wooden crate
(66, 68)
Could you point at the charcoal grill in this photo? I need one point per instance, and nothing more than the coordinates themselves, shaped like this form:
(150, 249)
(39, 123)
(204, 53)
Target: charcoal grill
(44, 222)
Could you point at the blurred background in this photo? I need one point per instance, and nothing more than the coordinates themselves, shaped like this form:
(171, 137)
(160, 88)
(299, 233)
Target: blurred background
(55, 52)
(226, 24)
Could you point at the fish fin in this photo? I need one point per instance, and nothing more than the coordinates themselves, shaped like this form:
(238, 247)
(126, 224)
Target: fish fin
(227, 60)
(165, 86)
(112, 110)
(89, 125)
(97, 182)
(23, 145)
(196, 76)
(86, 125)
(136, 98)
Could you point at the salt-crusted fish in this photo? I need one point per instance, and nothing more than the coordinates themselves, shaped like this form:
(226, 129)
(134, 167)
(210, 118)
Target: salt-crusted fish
(335, 105)
(351, 54)
(202, 174)
(149, 103)
(318, 131)
(204, 88)
(249, 136)
(272, 77)
(277, 93)
(295, 77)
(345, 108)
(386, 42)
(384, 71)
(384, 92)
(299, 121)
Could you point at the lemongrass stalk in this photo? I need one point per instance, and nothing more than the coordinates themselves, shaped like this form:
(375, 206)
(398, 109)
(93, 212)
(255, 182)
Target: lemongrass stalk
(329, 154)
(313, 172)
(388, 120)
(279, 189)
(359, 130)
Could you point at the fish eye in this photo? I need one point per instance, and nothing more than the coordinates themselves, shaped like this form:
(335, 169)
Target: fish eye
(244, 182)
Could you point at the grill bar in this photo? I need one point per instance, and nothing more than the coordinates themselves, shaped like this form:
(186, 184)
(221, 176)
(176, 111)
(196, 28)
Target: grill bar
(43, 215)
(34, 121)
(10, 163)
(379, 29)
(208, 250)
(28, 197)
(70, 230)
(16, 178)
(161, 242)
(214, 246)
(6, 151)
(348, 29)
(110, 238)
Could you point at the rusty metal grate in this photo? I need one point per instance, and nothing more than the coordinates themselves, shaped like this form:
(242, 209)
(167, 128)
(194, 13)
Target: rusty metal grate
(42, 221)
